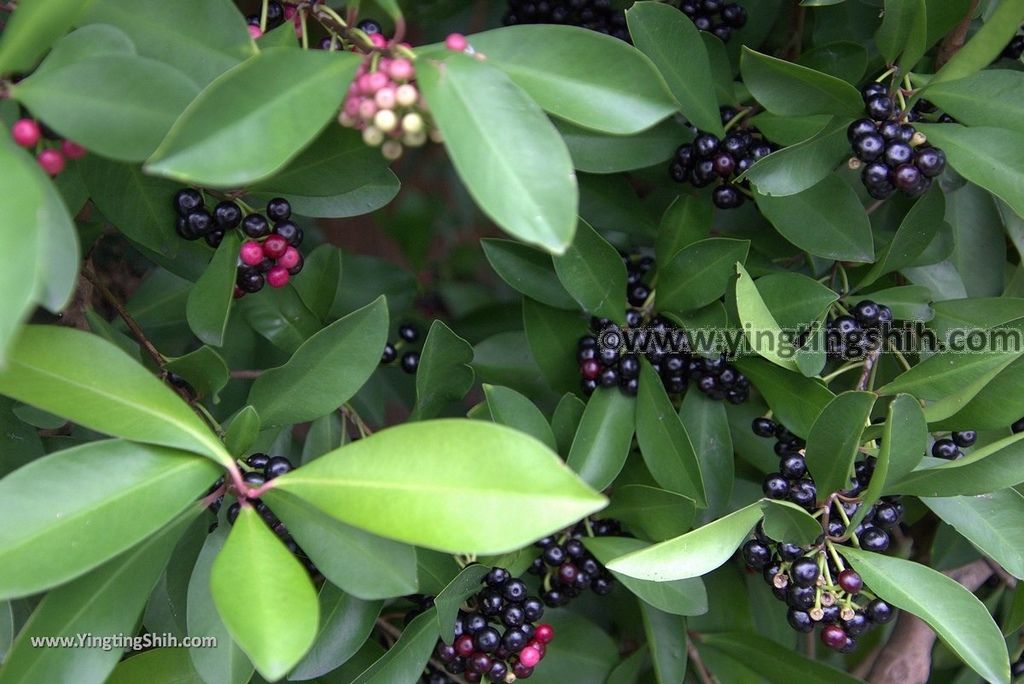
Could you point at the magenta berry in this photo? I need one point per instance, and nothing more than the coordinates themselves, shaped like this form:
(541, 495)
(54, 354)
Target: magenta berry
(254, 31)
(26, 132)
(400, 69)
(290, 258)
(833, 636)
(529, 656)
(278, 276)
(72, 150)
(52, 161)
(456, 42)
(251, 253)
(275, 246)
(544, 633)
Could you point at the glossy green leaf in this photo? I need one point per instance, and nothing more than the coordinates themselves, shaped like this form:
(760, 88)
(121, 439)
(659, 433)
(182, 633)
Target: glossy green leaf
(800, 167)
(156, 666)
(592, 271)
(281, 317)
(204, 369)
(553, 337)
(916, 232)
(87, 504)
(656, 514)
(326, 371)
(603, 439)
(793, 90)
(242, 431)
(681, 597)
(444, 374)
(785, 521)
(566, 420)
(404, 661)
(992, 522)
(81, 99)
(321, 272)
(835, 437)
(326, 433)
(32, 29)
(760, 327)
(6, 628)
(345, 624)
(797, 401)
(527, 270)
(985, 45)
(987, 98)
(210, 144)
(364, 565)
(667, 649)
(909, 302)
(510, 408)
(524, 181)
(777, 664)
(582, 651)
(592, 80)
(843, 59)
(699, 273)
(795, 300)
(841, 227)
(686, 221)
(901, 20)
(209, 302)
(986, 469)
(693, 554)
(93, 383)
(957, 616)
(275, 619)
(451, 598)
(950, 379)
(995, 406)
(85, 42)
(390, 484)
(904, 440)
(596, 152)
(672, 42)
(707, 427)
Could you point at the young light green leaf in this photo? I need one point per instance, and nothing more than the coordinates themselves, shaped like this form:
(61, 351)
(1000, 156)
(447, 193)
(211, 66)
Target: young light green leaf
(345, 624)
(523, 181)
(592, 271)
(392, 482)
(993, 522)
(511, 408)
(603, 439)
(681, 597)
(275, 618)
(444, 374)
(527, 270)
(835, 438)
(156, 666)
(448, 602)
(693, 554)
(32, 29)
(797, 401)
(761, 329)
(209, 302)
(325, 371)
(699, 273)
(957, 616)
(405, 660)
(87, 504)
(793, 90)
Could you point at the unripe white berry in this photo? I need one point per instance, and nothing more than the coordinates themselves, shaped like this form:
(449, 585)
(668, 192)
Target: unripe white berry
(385, 98)
(346, 120)
(415, 139)
(385, 120)
(406, 95)
(436, 136)
(391, 150)
(372, 136)
(412, 123)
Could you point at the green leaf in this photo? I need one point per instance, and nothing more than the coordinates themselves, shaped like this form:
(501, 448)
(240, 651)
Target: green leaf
(992, 522)
(629, 670)
(984, 156)
(797, 401)
(80, 100)
(656, 514)
(784, 521)
(345, 624)
(987, 469)
(86, 42)
(523, 181)
(204, 369)
(404, 661)
(511, 408)
(596, 152)
(93, 383)
(793, 90)
(841, 227)
(318, 285)
(995, 406)
(275, 618)
(592, 80)
(87, 504)
(566, 420)
(800, 167)
(592, 271)
(842, 59)
(794, 299)
(156, 666)
(916, 232)
(107, 601)
(444, 374)
(686, 221)
(527, 270)
(242, 431)
(364, 565)
(209, 302)
(211, 143)
(603, 439)
(681, 597)
(707, 427)
(950, 379)
(693, 554)
(326, 433)
(32, 29)
(985, 45)
(581, 652)
(777, 664)
(957, 616)
(553, 337)
(451, 598)
(391, 482)
(280, 316)
(6, 628)
(987, 98)
(699, 273)
(668, 651)
(761, 329)
(835, 437)
(909, 302)
(904, 440)
(672, 42)
(904, 23)
(168, 31)
(326, 371)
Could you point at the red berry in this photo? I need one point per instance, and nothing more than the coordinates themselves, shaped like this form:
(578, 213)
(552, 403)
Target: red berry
(26, 132)
(544, 633)
(530, 656)
(590, 369)
(251, 253)
(274, 246)
(464, 645)
(850, 581)
(52, 161)
(239, 292)
(72, 150)
(254, 31)
(290, 258)
(456, 42)
(833, 636)
(277, 276)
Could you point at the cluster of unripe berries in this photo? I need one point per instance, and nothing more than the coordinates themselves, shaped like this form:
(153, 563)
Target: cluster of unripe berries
(596, 15)
(269, 254)
(719, 17)
(818, 589)
(854, 335)
(52, 158)
(890, 152)
(567, 568)
(709, 159)
(497, 639)
(263, 469)
(408, 334)
(949, 447)
(602, 364)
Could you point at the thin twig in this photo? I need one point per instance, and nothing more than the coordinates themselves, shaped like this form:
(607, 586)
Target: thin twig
(1006, 578)
(869, 364)
(956, 38)
(246, 374)
(703, 673)
(132, 324)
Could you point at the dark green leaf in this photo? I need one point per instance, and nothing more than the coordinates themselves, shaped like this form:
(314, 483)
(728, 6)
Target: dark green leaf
(916, 232)
(566, 420)
(904, 23)
(681, 597)
(204, 369)
(242, 431)
(345, 623)
(842, 59)
(800, 167)
(444, 373)
(699, 273)
(508, 407)
(797, 401)
(687, 220)
(404, 661)
(707, 427)
(596, 152)
(603, 439)
(987, 469)
(527, 270)
(156, 666)
(777, 664)
(326, 433)
(592, 271)
(793, 90)
(794, 299)
(987, 98)
(280, 316)
(656, 514)
(835, 437)
(668, 650)
(581, 651)
(448, 602)
(904, 440)
(992, 522)
(209, 302)
(784, 521)
(553, 337)
(321, 272)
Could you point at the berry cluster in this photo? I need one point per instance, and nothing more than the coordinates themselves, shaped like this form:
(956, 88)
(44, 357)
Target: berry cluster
(30, 134)
(568, 568)
(277, 14)
(855, 335)
(596, 15)
(266, 468)
(716, 16)
(949, 447)
(408, 334)
(890, 151)
(269, 256)
(498, 636)
(708, 160)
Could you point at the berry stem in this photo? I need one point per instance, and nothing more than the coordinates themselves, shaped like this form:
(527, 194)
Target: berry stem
(867, 377)
(836, 373)
(353, 416)
(886, 74)
(263, 16)
(132, 324)
(702, 671)
(305, 28)
(836, 558)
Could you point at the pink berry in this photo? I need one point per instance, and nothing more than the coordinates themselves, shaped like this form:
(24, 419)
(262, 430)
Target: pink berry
(254, 31)
(52, 161)
(274, 246)
(529, 656)
(378, 40)
(251, 253)
(289, 11)
(400, 69)
(290, 258)
(456, 42)
(544, 633)
(277, 276)
(376, 81)
(72, 150)
(367, 109)
(26, 132)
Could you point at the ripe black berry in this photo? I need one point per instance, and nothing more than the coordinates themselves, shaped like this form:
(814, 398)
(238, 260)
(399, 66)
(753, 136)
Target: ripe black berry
(931, 161)
(255, 226)
(800, 620)
(880, 108)
(756, 554)
(964, 438)
(763, 427)
(227, 215)
(408, 332)
(186, 200)
(945, 448)
(879, 612)
(250, 280)
(369, 27)
(410, 362)
(279, 209)
(775, 487)
(389, 354)
(874, 539)
(804, 572)
(869, 147)
(276, 466)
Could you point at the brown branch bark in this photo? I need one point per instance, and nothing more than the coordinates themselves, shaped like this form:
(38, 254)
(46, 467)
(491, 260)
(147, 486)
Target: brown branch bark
(956, 38)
